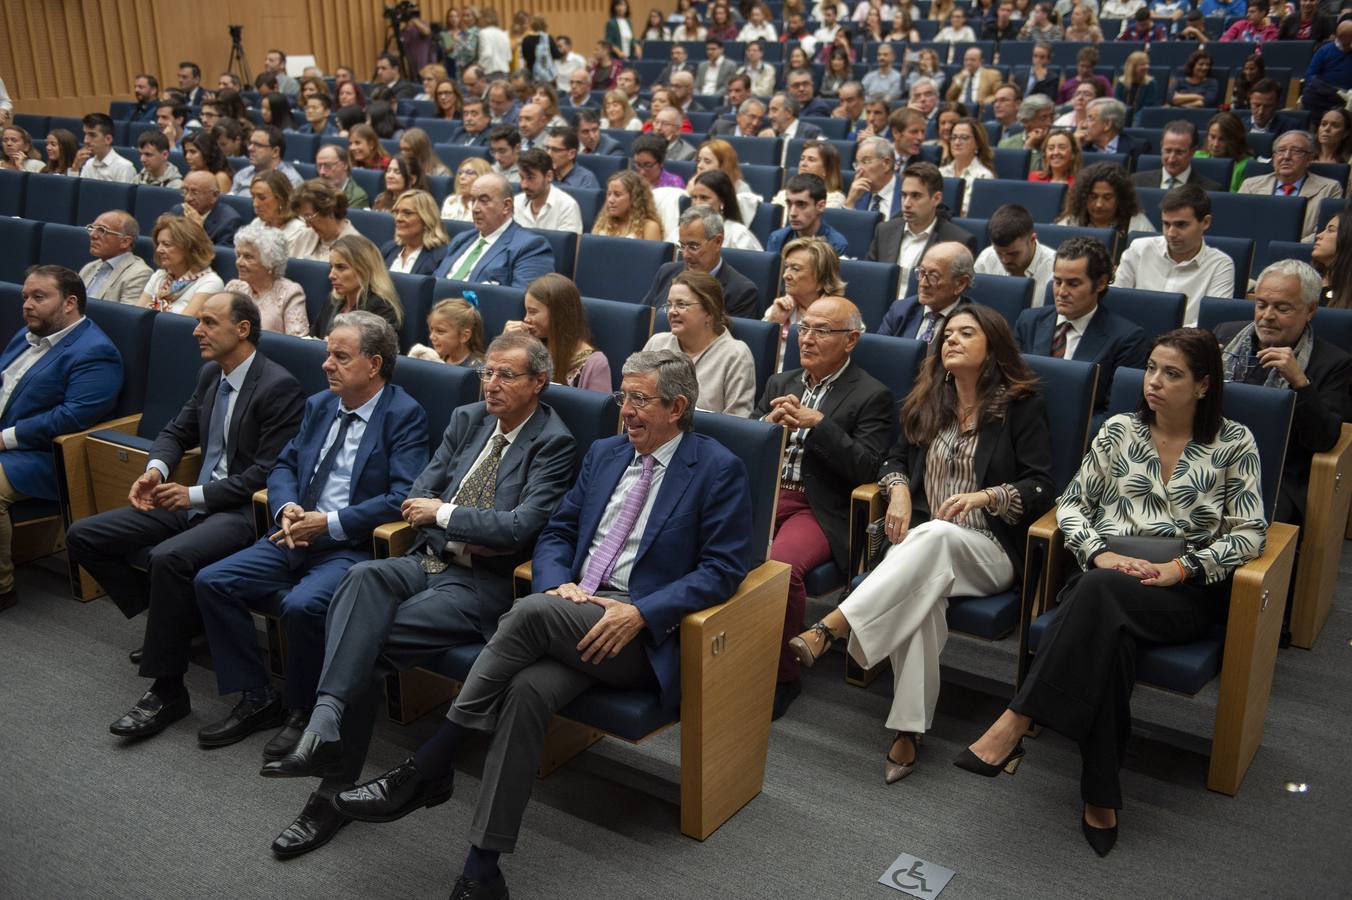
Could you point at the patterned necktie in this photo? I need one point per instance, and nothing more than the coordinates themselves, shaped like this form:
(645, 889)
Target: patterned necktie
(468, 265)
(215, 448)
(1059, 340)
(931, 320)
(479, 486)
(1170, 182)
(310, 501)
(1286, 189)
(603, 561)
(876, 204)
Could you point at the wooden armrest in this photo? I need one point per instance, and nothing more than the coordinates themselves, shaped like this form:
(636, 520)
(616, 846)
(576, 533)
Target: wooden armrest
(392, 539)
(75, 487)
(1045, 527)
(521, 576)
(866, 505)
(1321, 542)
(261, 517)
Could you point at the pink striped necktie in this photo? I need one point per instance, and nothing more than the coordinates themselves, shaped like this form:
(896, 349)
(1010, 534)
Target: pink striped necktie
(603, 560)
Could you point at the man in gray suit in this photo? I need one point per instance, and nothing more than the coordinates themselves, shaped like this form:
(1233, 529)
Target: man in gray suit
(116, 273)
(711, 76)
(668, 124)
(502, 468)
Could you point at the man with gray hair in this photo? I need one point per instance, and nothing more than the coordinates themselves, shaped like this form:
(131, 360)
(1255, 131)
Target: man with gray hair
(748, 123)
(1034, 121)
(1279, 349)
(943, 276)
(1104, 120)
(116, 274)
(497, 250)
(851, 106)
(360, 445)
(701, 243)
(501, 469)
(1292, 154)
(876, 182)
(667, 123)
(784, 121)
(653, 529)
(1178, 145)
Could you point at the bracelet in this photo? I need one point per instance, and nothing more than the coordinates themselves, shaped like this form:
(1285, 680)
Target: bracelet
(1182, 570)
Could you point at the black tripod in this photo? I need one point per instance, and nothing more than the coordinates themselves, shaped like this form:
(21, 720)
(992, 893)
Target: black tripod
(237, 57)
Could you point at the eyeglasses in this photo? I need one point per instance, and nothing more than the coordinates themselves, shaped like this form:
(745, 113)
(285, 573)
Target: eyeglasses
(506, 376)
(820, 331)
(638, 401)
(929, 276)
(959, 138)
(1281, 309)
(691, 246)
(677, 305)
(103, 231)
(645, 166)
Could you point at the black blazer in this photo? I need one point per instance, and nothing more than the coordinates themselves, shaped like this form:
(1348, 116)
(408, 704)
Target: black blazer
(1015, 450)
(323, 320)
(886, 243)
(1109, 340)
(425, 264)
(1151, 178)
(740, 297)
(1047, 86)
(1322, 407)
(267, 414)
(220, 224)
(843, 451)
(1130, 146)
(463, 138)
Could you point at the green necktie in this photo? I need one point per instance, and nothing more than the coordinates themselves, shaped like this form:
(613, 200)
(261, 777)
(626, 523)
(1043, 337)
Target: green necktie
(468, 265)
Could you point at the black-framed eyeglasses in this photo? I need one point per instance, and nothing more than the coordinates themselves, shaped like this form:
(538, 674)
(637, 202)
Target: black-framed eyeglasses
(639, 401)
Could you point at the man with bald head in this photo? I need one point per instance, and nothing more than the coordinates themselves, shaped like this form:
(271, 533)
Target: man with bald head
(116, 273)
(497, 250)
(667, 123)
(530, 121)
(683, 92)
(943, 276)
(839, 422)
(200, 203)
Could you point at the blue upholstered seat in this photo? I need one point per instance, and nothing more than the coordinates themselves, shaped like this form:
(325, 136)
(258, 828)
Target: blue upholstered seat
(760, 267)
(51, 198)
(313, 277)
(13, 188)
(19, 242)
(872, 286)
(131, 329)
(564, 245)
(415, 293)
(11, 310)
(93, 198)
(1043, 201)
(439, 388)
(615, 268)
(1155, 311)
(856, 225)
(617, 330)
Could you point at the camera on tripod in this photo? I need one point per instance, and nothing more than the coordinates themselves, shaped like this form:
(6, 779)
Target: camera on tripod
(401, 12)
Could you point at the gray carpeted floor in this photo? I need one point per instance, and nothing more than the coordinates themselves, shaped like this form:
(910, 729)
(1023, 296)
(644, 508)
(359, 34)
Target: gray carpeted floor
(84, 815)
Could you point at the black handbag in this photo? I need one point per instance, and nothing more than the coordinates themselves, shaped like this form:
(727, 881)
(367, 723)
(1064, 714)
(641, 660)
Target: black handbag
(1150, 548)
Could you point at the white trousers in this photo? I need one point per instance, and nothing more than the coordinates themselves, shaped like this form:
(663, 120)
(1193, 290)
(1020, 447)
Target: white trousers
(898, 612)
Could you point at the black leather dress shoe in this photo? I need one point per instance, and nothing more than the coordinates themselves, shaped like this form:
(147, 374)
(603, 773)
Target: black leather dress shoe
(393, 795)
(8, 599)
(316, 825)
(135, 656)
(785, 693)
(312, 757)
(480, 890)
(246, 718)
(284, 741)
(151, 715)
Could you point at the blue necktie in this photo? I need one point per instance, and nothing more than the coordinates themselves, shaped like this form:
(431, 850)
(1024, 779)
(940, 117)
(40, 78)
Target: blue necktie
(310, 501)
(215, 448)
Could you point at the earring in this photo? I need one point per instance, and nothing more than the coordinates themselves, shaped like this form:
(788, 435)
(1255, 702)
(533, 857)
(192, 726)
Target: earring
(948, 376)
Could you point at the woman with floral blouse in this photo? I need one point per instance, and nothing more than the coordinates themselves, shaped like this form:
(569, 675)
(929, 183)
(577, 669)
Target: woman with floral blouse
(1175, 469)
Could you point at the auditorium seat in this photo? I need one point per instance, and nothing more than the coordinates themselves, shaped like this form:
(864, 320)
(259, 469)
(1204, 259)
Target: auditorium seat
(602, 258)
(589, 201)
(1011, 164)
(497, 304)
(19, 243)
(62, 245)
(377, 227)
(761, 268)
(97, 197)
(872, 286)
(11, 311)
(1154, 311)
(758, 150)
(150, 202)
(302, 357)
(13, 187)
(564, 245)
(313, 278)
(51, 198)
(857, 225)
(617, 330)
(415, 294)
(1043, 201)
(602, 165)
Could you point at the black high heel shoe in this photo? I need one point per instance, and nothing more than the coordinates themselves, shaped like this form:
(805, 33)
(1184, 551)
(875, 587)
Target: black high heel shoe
(1101, 839)
(804, 652)
(976, 765)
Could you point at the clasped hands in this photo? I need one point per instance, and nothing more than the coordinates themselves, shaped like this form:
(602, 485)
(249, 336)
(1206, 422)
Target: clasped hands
(617, 627)
(299, 527)
(1153, 574)
(897, 520)
(790, 411)
(150, 491)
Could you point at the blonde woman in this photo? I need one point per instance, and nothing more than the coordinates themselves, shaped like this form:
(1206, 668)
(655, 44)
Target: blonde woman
(455, 331)
(629, 210)
(457, 207)
(184, 279)
(811, 271)
(618, 114)
(419, 238)
(360, 281)
(414, 142)
(1136, 88)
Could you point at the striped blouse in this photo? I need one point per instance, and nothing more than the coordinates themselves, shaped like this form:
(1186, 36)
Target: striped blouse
(950, 468)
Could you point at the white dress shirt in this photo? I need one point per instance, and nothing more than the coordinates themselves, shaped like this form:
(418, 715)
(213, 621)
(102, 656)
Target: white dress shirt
(1076, 330)
(560, 212)
(489, 239)
(1177, 180)
(404, 264)
(618, 579)
(912, 246)
(336, 493)
(38, 347)
(456, 549)
(113, 167)
(196, 495)
(1146, 264)
(1040, 269)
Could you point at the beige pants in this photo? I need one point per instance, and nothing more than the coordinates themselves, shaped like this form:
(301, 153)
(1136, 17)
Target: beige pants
(898, 612)
(8, 497)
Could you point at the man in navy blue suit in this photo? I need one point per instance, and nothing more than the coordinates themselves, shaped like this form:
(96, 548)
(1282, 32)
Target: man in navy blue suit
(497, 251)
(943, 276)
(1077, 326)
(360, 445)
(474, 130)
(59, 374)
(654, 528)
(877, 184)
(201, 203)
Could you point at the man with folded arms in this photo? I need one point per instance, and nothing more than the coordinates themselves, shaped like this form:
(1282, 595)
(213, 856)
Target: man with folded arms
(243, 411)
(654, 529)
(360, 445)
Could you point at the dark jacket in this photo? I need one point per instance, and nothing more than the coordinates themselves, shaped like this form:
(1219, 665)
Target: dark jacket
(886, 243)
(844, 450)
(740, 297)
(220, 224)
(1015, 450)
(425, 264)
(1151, 178)
(1109, 340)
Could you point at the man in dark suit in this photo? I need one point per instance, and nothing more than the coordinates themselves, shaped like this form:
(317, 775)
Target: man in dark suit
(59, 374)
(839, 421)
(1104, 120)
(679, 61)
(877, 184)
(387, 77)
(587, 124)
(473, 131)
(923, 223)
(803, 89)
(243, 411)
(497, 251)
(701, 232)
(201, 203)
(784, 121)
(1279, 349)
(1263, 108)
(499, 474)
(654, 529)
(1077, 326)
(749, 121)
(1177, 147)
(360, 445)
(943, 276)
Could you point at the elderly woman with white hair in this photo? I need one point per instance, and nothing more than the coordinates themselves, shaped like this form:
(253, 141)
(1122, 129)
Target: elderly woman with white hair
(260, 257)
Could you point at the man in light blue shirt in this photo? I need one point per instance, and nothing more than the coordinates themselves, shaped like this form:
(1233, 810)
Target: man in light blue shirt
(884, 80)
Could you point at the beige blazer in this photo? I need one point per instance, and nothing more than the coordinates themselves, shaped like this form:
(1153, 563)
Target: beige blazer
(128, 281)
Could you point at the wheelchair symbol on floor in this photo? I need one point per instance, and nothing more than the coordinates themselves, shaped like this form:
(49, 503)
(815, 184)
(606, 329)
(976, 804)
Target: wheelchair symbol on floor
(917, 877)
(913, 872)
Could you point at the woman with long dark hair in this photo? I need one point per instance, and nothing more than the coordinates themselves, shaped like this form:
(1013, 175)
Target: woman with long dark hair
(1332, 256)
(1104, 197)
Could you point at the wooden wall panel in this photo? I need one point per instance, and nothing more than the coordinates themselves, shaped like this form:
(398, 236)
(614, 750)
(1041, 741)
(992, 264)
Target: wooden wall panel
(67, 57)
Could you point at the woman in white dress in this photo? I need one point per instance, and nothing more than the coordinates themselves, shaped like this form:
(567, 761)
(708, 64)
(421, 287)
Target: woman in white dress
(271, 193)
